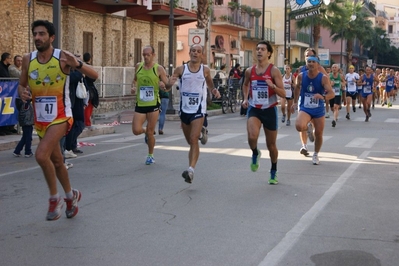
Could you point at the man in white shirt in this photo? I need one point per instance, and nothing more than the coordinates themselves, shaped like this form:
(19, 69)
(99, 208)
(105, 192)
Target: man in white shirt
(351, 79)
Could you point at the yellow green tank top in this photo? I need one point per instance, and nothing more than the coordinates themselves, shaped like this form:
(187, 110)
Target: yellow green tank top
(147, 86)
(49, 86)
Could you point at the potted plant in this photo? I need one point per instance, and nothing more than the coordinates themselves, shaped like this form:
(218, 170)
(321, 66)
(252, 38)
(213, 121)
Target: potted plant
(233, 5)
(246, 9)
(257, 13)
(223, 18)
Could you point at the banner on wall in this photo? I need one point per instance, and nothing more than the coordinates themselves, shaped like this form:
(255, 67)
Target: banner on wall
(305, 8)
(324, 55)
(8, 111)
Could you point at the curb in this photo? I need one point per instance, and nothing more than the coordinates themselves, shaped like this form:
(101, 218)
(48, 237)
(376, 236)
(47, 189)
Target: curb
(10, 142)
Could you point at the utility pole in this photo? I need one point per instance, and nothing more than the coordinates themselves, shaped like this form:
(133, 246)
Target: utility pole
(170, 109)
(57, 23)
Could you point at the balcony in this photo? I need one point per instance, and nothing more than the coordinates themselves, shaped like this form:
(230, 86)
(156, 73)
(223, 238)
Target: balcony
(369, 7)
(183, 12)
(300, 37)
(256, 34)
(236, 19)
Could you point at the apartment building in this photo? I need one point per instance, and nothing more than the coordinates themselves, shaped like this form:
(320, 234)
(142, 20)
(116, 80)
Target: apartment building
(388, 19)
(234, 30)
(113, 31)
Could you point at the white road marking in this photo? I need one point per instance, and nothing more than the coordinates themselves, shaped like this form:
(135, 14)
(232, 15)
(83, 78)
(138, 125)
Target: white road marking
(365, 143)
(361, 119)
(325, 138)
(79, 157)
(275, 255)
(224, 136)
(243, 118)
(392, 120)
(262, 138)
(99, 137)
(125, 139)
(169, 139)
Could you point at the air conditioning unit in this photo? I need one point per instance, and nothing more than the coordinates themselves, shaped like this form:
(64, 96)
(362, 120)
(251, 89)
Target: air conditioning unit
(179, 45)
(234, 44)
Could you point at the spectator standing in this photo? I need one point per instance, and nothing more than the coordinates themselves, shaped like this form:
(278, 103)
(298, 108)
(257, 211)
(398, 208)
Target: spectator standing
(235, 72)
(164, 95)
(221, 74)
(25, 119)
(4, 65)
(78, 105)
(93, 93)
(15, 70)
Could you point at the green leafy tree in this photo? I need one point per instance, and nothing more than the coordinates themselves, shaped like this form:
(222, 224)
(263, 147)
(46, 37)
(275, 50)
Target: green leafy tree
(320, 20)
(390, 58)
(203, 13)
(350, 23)
(377, 42)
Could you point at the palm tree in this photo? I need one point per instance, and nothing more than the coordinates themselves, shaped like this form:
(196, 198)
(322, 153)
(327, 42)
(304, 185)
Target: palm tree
(203, 11)
(350, 24)
(318, 21)
(377, 41)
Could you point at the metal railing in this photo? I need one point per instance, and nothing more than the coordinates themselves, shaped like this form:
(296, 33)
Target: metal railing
(256, 33)
(114, 81)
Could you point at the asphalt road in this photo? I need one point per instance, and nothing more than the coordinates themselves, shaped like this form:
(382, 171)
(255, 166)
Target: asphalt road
(344, 211)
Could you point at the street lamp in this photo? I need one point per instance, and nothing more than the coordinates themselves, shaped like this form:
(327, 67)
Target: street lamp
(353, 17)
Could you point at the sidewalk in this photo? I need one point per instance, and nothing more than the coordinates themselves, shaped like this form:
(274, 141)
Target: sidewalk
(102, 124)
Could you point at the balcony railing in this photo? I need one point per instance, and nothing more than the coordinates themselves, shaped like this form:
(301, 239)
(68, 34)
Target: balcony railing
(300, 37)
(182, 4)
(256, 34)
(237, 17)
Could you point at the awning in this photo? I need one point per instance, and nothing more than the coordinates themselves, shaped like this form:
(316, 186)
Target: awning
(220, 55)
(237, 56)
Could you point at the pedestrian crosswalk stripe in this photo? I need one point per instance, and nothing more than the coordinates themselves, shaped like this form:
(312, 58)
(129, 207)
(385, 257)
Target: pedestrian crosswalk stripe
(170, 139)
(101, 137)
(262, 138)
(392, 120)
(125, 139)
(224, 136)
(237, 118)
(360, 119)
(325, 138)
(365, 143)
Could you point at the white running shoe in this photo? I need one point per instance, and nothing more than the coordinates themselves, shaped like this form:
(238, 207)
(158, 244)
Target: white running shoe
(69, 154)
(315, 159)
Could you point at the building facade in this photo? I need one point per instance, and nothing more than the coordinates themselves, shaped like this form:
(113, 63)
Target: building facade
(114, 32)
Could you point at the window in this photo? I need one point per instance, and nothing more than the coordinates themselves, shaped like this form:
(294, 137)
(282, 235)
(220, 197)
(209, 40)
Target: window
(217, 62)
(137, 51)
(88, 43)
(161, 53)
(248, 60)
(390, 28)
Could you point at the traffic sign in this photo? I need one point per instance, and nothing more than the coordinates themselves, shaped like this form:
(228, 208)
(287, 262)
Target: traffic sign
(196, 36)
